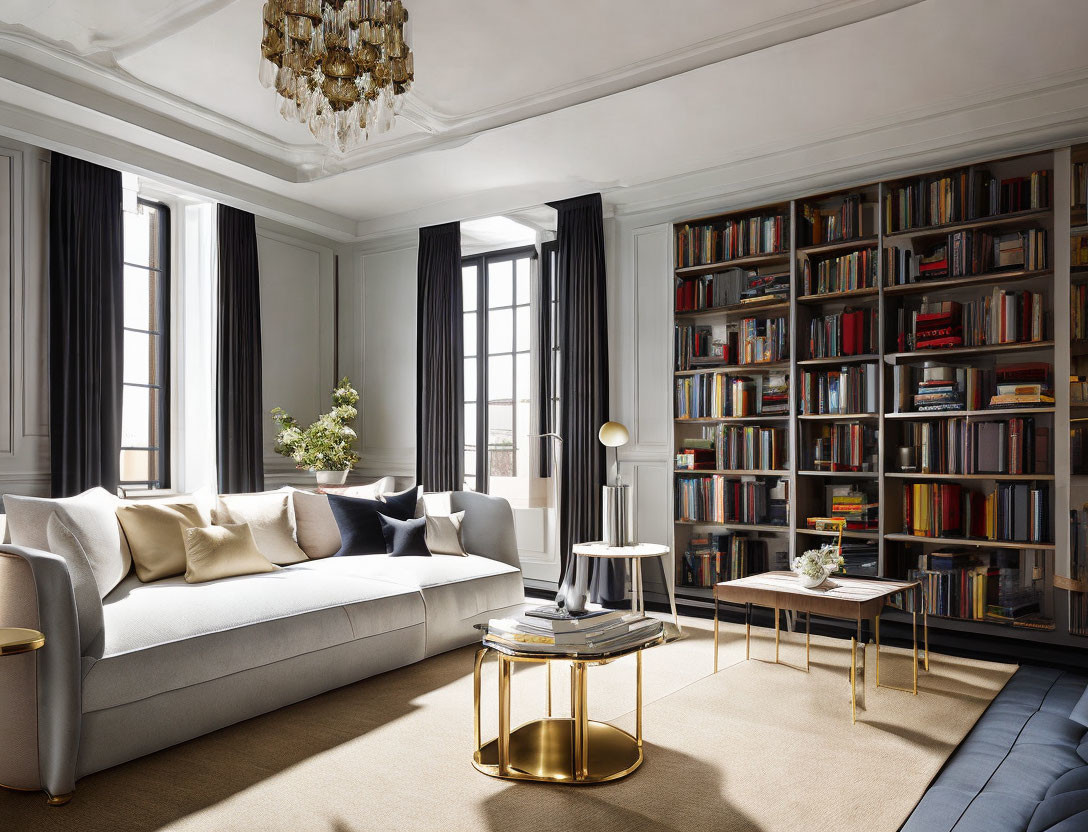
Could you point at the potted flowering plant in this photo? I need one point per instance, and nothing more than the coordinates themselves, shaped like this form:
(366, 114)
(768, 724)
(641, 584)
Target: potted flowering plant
(325, 447)
(815, 565)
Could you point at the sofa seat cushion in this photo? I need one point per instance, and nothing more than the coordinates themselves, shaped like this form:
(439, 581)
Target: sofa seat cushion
(170, 634)
(458, 592)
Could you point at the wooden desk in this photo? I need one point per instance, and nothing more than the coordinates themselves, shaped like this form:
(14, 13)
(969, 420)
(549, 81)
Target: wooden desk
(855, 599)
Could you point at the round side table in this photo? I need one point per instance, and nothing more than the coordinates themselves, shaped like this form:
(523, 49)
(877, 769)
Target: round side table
(635, 553)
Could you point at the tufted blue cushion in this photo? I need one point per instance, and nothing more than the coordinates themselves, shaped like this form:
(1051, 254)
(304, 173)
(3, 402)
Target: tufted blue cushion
(1057, 809)
(1080, 710)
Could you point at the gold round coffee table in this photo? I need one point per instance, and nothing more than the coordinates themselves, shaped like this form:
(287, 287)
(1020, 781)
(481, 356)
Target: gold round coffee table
(15, 640)
(574, 749)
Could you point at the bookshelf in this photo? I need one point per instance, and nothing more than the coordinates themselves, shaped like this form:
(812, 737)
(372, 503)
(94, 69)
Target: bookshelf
(848, 270)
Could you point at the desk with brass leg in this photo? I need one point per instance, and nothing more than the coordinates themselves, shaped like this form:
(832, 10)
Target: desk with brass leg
(572, 749)
(855, 599)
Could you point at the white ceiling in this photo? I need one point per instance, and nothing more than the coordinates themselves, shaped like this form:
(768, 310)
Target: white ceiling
(520, 102)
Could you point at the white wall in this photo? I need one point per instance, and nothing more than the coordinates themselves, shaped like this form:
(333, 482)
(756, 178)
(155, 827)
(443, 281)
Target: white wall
(24, 355)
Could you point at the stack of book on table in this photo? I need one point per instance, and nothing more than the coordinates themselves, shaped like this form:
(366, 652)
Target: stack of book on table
(544, 630)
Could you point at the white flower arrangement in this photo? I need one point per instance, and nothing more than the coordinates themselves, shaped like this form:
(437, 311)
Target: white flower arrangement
(326, 445)
(818, 563)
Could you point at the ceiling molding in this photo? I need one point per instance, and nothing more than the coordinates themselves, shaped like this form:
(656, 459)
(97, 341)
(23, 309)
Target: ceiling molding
(56, 70)
(53, 134)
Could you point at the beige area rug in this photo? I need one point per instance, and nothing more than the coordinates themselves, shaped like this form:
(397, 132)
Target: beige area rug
(755, 747)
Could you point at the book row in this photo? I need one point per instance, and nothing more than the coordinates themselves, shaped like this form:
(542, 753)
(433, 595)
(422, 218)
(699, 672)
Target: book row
(719, 499)
(844, 273)
(850, 332)
(702, 245)
(851, 389)
(729, 288)
(719, 396)
(936, 387)
(1017, 512)
(842, 446)
(967, 194)
(978, 586)
(959, 446)
(721, 557)
(735, 447)
(967, 253)
(850, 219)
(1002, 317)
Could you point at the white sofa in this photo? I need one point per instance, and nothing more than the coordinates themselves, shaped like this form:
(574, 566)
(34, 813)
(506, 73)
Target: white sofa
(176, 660)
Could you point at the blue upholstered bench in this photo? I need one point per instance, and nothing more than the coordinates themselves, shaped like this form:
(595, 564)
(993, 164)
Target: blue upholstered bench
(1023, 767)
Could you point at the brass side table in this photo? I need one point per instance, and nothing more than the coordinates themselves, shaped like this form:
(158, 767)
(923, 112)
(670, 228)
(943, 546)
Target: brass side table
(574, 749)
(13, 642)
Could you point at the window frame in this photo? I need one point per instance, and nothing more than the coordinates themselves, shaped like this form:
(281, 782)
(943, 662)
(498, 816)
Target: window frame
(163, 385)
(482, 262)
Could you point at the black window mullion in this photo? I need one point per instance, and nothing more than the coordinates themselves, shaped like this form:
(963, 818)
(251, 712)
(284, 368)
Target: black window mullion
(482, 313)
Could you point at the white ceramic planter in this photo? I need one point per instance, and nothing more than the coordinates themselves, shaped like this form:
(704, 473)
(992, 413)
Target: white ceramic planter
(331, 477)
(812, 583)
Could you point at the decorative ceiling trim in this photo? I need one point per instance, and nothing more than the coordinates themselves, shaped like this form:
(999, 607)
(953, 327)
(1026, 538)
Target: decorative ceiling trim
(54, 69)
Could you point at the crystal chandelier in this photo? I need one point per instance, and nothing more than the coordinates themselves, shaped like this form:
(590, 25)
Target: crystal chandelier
(339, 66)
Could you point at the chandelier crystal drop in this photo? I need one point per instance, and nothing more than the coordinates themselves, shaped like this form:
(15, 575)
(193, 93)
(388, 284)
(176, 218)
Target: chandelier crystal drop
(341, 67)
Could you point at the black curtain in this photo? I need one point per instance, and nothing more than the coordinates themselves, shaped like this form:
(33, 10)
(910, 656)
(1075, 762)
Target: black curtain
(583, 385)
(440, 360)
(86, 316)
(239, 406)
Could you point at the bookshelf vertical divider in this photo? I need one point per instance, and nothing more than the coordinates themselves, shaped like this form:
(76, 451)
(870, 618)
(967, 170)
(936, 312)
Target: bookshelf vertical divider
(808, 485)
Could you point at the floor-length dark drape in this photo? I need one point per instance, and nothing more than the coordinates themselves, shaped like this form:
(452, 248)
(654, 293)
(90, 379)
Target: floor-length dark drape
(86, 314)
(583, 382)
(239, 406)
(440, 360)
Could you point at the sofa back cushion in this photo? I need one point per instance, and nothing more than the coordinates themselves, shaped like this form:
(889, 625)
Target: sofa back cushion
(224, 551)
(62, 541)
(268, 516)
(91, 519)
(155, 534)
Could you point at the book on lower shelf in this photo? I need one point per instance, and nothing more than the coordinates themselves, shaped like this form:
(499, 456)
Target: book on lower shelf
(842, 446)
(712, 558)
(978, 585)
(855, 503)
(1018, 445)
(594, 633)
(1017, 512)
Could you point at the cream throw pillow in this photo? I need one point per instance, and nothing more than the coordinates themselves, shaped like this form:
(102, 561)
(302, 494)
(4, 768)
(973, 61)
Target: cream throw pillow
(225, 551)
(444, 534)
(370, 491)
(318, 534)
(155, 534)
(269, 518)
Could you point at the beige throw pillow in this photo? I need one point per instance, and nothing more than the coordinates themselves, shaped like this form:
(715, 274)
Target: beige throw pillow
(269, 518)
(155, 534)
(225, 551)
(318, 534)
(444, 534)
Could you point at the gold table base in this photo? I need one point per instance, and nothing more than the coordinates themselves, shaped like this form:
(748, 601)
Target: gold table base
(572, 749)
(543, 750)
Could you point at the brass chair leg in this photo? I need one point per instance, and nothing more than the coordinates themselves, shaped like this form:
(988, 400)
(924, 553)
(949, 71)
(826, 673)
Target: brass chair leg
(58, 799)
(504, 716)
(476, 686)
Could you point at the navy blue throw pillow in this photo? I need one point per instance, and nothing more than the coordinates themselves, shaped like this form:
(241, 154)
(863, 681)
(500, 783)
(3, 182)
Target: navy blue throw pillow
(400, 506)
(405, 537)
(359, 525)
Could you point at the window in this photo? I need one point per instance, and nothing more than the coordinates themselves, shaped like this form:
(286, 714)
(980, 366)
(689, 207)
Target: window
(144, 410)
(549, 361)
(498, 373)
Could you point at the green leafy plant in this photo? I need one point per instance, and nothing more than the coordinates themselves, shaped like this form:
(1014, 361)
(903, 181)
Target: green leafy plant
(326, 445)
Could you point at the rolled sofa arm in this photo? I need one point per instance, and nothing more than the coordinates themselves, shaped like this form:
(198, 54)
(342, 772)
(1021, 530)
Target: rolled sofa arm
(40, 691)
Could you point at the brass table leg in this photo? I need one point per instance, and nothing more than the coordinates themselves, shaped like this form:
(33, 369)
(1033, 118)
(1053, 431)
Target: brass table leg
(776, 635)
(480, 654)
(504, 715)
(808, 640)
(638, 699)
(853, 680)
(548, 670)
(581, 724)
(913, 689)
(747, 631)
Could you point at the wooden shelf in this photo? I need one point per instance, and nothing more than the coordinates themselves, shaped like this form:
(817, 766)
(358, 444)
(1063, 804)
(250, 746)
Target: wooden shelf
(738, 369)
(970, 541)
(997, 220)
(927, 286)
(829, 297)
(736, 472)
(712, 420)
(839, 245)
(740, 310)
(863, 475)
(738, 262)
(948, 414)
(842, 359)
(907, 475)
(838, 417)
(989, 349)
(748, 527)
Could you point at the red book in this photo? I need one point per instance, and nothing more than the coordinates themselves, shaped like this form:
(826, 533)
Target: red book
(849, 337)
